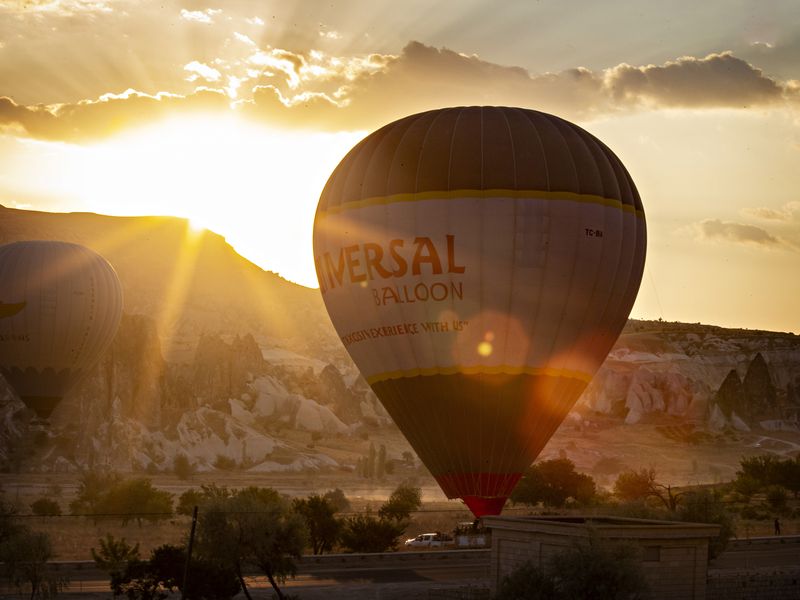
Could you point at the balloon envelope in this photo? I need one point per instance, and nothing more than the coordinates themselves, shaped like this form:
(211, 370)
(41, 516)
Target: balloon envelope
(478, 264)
(60, 306)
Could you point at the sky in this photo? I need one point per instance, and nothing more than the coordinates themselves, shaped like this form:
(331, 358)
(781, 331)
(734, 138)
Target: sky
(233, 113)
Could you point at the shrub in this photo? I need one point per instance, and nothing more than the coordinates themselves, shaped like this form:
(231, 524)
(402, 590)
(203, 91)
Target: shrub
(182, 468)
(45, 507)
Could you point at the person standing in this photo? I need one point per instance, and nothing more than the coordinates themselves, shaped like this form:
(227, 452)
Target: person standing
(777, 526)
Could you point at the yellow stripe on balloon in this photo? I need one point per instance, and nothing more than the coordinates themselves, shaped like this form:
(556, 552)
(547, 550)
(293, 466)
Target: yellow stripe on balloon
(491, 193)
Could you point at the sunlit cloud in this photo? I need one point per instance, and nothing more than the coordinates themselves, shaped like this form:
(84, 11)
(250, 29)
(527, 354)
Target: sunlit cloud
(64, 8)
(243, 38)
(255, 21)
(337, 93)
(788, 212)
(200, 16)
(199, 70)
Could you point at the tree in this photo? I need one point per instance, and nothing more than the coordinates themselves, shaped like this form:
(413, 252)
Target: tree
(593, 569)
(163, 572)
(527, 582)
(27, 555)
(365, 533)
(182, 467)
(777, 497)
(136, 498)
(252, 527)
(405, 499)
(92, 489)
(188, 500)
(764, 469)
(380, 465)
(552, 482)
(323, 527)
(45, 507)
(706, 506)
(337, 499)
(641, 485)
(114, 555)
(598, 570)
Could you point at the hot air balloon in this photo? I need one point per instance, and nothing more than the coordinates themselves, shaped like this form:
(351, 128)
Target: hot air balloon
(60, 306)
(478, 264)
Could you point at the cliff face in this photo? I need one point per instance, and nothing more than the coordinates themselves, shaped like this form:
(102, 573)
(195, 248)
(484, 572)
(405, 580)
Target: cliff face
(221, 361)
(698, 372)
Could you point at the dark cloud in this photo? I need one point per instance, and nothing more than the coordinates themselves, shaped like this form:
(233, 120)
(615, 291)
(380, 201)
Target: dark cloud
(422, 77)
(718, 80)
(714, 229)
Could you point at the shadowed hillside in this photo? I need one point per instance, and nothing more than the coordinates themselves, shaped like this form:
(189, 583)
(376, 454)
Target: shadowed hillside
(188, 282)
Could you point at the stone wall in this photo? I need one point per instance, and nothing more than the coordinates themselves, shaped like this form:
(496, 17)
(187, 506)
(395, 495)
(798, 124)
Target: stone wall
(776, 583)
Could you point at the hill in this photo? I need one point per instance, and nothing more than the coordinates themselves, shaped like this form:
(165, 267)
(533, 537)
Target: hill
(234, 366)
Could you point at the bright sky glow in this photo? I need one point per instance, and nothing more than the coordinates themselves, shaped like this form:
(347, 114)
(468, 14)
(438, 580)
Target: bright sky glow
(233, 115)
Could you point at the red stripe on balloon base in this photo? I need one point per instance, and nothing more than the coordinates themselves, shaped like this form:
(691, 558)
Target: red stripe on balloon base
(483, 493)
(481, 506)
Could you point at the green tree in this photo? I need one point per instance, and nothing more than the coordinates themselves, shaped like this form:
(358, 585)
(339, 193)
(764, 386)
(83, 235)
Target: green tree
(252, 527)
(777, 497)
(114, 555)
(789, 475)
(365, 533)
(163, 573)
(404, 500)
(182, 467)
(27, 555)
(188, 500)
(337, 500)
(641, 485)
(527, 582)
(552, 482)
(591, 569)
(46, 507)
(136, 499)
(706, 506)
(598, 570)
(323, 527)
(92, 488)
(764, 469)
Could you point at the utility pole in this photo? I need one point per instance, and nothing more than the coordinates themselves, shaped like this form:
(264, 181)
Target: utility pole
(189, 554)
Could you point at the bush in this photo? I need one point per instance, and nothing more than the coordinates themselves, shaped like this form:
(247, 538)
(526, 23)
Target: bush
(337, 500)
(552, 482)
(527, 582)
(590, 570)
(777, 497)
(136, 499)
(365, 533)
(405, 499)
(705, 506)
(182, 467)
(223, 463)
(45, 507)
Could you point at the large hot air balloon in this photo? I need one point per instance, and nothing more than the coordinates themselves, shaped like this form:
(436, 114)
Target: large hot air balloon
(478, 264)
(60, 306)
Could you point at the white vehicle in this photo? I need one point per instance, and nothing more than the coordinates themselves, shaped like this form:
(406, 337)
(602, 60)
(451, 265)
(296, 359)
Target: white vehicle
(429, 540)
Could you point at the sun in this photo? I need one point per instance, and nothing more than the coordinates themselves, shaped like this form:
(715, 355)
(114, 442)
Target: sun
(257, 186)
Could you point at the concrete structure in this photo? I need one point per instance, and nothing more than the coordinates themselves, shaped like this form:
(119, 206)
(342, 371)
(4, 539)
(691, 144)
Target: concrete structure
(674, 555)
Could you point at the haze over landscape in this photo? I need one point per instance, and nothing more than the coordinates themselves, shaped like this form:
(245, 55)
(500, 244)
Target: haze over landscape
(477, 264)
(234, 115)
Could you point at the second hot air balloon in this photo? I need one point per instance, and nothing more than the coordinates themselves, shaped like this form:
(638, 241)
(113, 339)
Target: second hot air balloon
(478, 264)
(60, 306)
